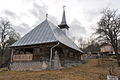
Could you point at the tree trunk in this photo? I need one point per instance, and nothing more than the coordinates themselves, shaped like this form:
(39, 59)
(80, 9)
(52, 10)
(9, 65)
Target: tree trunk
(115, 46)
(118, 59)
(1, 60)
(2, 57)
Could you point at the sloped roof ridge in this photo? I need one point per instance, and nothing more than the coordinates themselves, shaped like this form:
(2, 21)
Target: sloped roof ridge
(68, 39)
(51, 28)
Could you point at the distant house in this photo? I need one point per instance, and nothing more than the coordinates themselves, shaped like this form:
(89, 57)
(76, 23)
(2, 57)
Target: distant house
(107, 49)
(92, 50)
(45, 47)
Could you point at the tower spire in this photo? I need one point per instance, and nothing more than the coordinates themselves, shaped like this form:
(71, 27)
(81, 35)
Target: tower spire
(63, 24)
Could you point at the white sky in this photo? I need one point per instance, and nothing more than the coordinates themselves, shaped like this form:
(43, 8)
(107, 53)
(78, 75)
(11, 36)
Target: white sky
(81, 15)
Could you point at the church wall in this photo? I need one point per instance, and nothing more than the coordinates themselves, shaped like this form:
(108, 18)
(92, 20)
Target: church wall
(41, 55)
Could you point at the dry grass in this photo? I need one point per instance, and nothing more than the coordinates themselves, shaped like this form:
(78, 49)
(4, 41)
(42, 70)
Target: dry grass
(89, 71)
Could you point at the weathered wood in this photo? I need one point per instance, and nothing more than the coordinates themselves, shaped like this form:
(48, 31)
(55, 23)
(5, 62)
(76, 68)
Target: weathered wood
(23, 57)
(42, 53)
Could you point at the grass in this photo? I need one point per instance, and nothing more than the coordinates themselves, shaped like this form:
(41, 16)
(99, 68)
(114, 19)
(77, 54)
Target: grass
(89, 71)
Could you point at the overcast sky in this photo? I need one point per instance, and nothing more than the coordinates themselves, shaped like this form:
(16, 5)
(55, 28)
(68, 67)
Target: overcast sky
(81, 15)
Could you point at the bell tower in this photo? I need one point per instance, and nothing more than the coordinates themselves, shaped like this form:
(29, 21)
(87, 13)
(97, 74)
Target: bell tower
(63, 25)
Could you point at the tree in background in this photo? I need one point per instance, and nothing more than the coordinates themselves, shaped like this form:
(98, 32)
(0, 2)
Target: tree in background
(83, 43)
(5, 30)
(109, 29)
(13, 37)
(7, 35)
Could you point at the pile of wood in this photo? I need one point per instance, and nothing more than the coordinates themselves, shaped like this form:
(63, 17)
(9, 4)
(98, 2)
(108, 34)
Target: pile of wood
(23, 57)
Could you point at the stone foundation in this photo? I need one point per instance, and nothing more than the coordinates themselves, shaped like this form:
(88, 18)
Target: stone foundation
(26, 66)
(38, 66)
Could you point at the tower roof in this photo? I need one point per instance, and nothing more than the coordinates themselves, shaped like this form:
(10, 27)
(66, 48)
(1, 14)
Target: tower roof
(46, 32)
(63, 24)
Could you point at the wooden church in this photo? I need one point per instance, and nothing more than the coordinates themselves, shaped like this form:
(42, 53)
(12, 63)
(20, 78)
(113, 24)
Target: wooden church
(45, 47)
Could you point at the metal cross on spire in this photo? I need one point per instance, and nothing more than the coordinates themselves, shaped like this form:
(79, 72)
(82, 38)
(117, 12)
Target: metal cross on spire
(46, 16)
(64, 7)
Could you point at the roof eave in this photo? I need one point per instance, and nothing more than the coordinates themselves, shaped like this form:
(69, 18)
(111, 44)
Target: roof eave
(32, 44)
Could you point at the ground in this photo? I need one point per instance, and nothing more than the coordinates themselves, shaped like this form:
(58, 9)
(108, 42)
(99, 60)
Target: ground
(89, 71)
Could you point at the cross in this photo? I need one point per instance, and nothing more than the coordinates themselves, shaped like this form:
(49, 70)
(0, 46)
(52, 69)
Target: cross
(63, 7)
(46, 16)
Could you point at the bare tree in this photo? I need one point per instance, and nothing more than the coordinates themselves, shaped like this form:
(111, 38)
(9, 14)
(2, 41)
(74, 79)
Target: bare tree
(83, 43)
(109, 29)
(5, 30)
(7, 37)
(13, 37)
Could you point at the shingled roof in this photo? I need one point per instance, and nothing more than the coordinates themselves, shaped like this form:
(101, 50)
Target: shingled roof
(46, 32)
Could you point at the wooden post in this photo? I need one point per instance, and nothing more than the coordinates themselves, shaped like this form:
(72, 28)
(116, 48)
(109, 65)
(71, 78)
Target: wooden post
(51, 54)
(19, 51)
(12, 53)
(79, 56)
(24, 51)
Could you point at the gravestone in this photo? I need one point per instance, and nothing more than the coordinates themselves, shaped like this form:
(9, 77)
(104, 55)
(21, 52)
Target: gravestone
(110, 77)
(56, 61)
